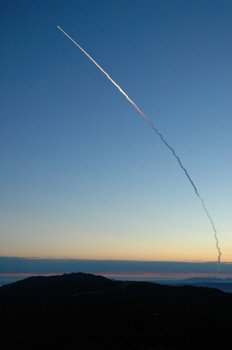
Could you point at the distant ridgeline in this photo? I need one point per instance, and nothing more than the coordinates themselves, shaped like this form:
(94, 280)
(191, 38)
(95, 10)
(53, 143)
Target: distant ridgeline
(92, 312)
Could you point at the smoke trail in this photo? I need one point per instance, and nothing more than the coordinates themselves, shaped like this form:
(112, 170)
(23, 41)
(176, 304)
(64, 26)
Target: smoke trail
(163, 140)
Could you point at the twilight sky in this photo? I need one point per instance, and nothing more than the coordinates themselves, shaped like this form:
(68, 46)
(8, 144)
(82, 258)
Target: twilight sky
(83, 176)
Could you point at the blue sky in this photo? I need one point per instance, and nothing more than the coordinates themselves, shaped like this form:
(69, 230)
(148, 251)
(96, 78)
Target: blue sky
(83, 176)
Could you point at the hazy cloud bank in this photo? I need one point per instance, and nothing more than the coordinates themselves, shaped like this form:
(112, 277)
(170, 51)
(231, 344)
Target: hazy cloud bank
(16, 268)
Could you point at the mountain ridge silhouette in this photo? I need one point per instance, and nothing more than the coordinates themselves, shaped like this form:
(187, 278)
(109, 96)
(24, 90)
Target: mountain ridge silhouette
(85, 311)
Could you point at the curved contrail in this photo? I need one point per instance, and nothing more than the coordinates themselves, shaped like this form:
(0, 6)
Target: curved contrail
(163, 140)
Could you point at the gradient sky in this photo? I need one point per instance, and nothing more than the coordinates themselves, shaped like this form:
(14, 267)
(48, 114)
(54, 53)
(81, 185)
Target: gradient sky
(83, 175)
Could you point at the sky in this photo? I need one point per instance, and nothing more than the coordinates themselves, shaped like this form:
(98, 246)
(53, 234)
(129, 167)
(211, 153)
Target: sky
(83, 175)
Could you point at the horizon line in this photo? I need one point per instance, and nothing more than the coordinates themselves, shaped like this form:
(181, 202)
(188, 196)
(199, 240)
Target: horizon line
(105, 259)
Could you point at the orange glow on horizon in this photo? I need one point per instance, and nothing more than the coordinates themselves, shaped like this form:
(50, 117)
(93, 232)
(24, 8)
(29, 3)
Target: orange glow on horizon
(114, 259)
(166, 275)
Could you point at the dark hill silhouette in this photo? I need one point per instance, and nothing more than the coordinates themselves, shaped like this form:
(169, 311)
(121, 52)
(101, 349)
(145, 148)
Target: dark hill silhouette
(224, 284)
(84, 311)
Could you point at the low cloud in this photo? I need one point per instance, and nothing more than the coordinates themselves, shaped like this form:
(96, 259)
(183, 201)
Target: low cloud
(16, 266)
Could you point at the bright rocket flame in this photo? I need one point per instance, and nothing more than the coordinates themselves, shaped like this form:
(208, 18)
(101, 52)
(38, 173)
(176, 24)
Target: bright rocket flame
(163, 140)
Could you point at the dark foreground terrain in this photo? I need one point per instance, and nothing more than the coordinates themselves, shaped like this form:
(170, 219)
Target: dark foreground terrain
(83, 311)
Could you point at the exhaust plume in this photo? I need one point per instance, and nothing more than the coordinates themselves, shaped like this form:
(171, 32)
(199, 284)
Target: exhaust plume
(162, 139)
